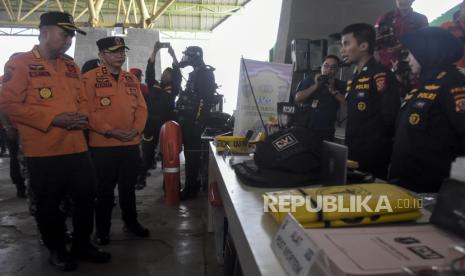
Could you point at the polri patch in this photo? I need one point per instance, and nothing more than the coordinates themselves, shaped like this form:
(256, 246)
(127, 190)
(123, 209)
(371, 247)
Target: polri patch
(284, 142)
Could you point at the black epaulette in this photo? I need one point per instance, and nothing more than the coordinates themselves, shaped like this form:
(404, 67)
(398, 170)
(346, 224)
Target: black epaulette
(65, 56)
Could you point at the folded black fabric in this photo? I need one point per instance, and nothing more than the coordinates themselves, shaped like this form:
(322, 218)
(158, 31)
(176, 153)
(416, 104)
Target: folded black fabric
(295, 149)
(250, 174)
(449, 212)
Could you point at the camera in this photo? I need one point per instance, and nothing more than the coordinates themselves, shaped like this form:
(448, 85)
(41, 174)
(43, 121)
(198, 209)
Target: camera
(323, 79)
(403, 68)
(385, 36)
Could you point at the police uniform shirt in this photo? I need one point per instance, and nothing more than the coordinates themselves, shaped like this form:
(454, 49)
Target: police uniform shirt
(321, 106)
(430, 132)
(373, 103)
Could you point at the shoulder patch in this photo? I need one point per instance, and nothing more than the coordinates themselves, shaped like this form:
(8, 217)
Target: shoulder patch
(441, 75)
(380, 80)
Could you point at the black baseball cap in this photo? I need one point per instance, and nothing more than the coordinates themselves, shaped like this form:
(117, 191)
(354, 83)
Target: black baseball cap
(111, 43)
(60, 19)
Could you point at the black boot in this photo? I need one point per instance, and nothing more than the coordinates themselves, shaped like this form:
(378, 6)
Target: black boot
(90, 253)
(62, 260)
(137, 229)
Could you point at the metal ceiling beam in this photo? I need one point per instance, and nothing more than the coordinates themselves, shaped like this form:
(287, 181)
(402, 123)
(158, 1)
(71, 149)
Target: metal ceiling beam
(144, 13)
(93, 19)
(147, 14)
(33, 10)
(10, 12)
(60, 7)
(20, 7)
(159, 12)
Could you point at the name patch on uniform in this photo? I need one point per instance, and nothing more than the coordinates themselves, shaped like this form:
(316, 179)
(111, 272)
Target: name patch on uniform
(414, 119)
(105, 101)
(102, 82)
(365, 79)
(428, 96)
(35, 74)
(36, 67)
(284, 142)
(361, 106)
(45, 93)
(362, 86)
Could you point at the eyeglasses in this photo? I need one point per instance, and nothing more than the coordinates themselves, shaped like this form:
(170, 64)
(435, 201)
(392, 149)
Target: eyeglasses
(120, 52)
(327, 66)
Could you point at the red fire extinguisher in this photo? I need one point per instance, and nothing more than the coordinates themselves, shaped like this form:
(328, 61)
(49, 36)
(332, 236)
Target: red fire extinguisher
(171, 147)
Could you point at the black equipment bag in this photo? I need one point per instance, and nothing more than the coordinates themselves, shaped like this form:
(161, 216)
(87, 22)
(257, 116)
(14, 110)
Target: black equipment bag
(287, 158)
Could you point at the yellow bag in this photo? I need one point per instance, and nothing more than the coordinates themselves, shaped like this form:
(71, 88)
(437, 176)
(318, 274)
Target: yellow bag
(381, 199)
(375, 219)
(237, 144)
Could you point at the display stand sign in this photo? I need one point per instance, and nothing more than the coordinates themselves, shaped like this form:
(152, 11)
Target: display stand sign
(271, 84)
(295, 251)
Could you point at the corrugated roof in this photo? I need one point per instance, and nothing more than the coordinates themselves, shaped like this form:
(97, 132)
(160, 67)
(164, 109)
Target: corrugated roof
(168, 15)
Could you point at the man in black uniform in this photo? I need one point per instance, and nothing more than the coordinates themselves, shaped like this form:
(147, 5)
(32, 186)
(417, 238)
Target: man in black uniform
(431, 126)
(322, 97)
(193, 108)
(373, 102)
(160, 107)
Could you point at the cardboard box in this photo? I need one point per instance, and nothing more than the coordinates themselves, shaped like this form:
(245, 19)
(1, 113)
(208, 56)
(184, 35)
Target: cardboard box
(380, 250)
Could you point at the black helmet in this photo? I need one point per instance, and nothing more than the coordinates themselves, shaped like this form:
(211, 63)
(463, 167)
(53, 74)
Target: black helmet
(193, 55)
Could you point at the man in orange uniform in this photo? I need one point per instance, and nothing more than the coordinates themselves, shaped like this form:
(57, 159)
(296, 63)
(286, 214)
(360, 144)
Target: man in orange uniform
(457, 28)
(117, 118)
(43, 94)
